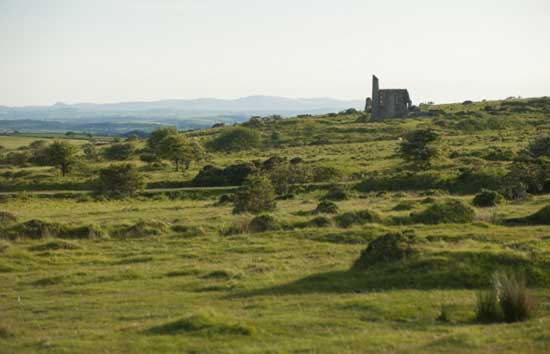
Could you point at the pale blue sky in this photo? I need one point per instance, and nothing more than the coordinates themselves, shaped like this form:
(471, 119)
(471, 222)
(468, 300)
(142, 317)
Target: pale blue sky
(117, 50)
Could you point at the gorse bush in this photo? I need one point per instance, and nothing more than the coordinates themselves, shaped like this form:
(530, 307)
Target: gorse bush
(232, 175)
(336, 193)
(540, 146)
(418, 146)
(119, 152)
(388, 248)
(326, 206)
(404, 205)
(119, 181)
(235, 139)
(487, 198)
(263, 223)
(256, 196)
(447, 211)
(360, 217)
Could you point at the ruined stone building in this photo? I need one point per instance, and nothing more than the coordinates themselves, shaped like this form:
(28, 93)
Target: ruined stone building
(388, 103)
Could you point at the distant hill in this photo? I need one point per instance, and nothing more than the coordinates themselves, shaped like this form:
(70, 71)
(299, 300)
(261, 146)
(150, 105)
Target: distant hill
(185, 114)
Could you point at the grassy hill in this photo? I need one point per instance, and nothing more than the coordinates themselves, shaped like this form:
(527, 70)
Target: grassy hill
(177, 271)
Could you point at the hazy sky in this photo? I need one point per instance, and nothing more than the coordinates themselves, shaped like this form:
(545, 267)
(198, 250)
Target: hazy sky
(116, 50)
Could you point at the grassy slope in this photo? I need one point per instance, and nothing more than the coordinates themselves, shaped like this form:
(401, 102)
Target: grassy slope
(291, 288)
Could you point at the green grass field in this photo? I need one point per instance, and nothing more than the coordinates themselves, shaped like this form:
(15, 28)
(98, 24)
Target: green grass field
(159, 276)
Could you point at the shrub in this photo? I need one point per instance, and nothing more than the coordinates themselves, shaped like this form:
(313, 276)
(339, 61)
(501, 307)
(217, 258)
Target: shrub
(263, 223)
(487, 198)
(119, 152)
(404, 205)
(319, 221)
(225, 199)
(144, 228)
(540, 146)
(388, 248)
(417, 146)
(235, 139)
(514, 299)
(361, 217)
(326, 174)
(119, 181)
(37, 229)
(189, 230)
(336, 193)
(326, 206)
(232, 175)
(257, 196)
(448, 211)
(284, 176)
(7, 219)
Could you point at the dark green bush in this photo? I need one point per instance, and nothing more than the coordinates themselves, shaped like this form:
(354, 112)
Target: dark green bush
(487, 198)
(263, 223)
(447, 211)
(404, 205)
(225, 199)
(388, 248)
(119, 152)
(119, 181)
(37, 229)
(256, 196)
(235, 139)
(540, 146)
(336, 193)
(232, 175)
(418, 146)
(320, 221)
(361, 217)
(326, 206)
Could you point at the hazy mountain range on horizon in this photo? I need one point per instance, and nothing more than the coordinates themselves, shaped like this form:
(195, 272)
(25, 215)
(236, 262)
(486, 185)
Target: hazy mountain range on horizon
(147, 115)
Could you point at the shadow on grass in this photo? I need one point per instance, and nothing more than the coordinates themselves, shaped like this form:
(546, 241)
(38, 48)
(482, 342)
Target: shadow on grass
(444, 270)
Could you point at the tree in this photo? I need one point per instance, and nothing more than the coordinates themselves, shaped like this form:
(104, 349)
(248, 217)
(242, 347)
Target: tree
(119, 152)
(235, 139)
(256, 196)
(175, 148)
(158, 135)
(417, 146)
(169, 144)
(61, 154)
(119, 181)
